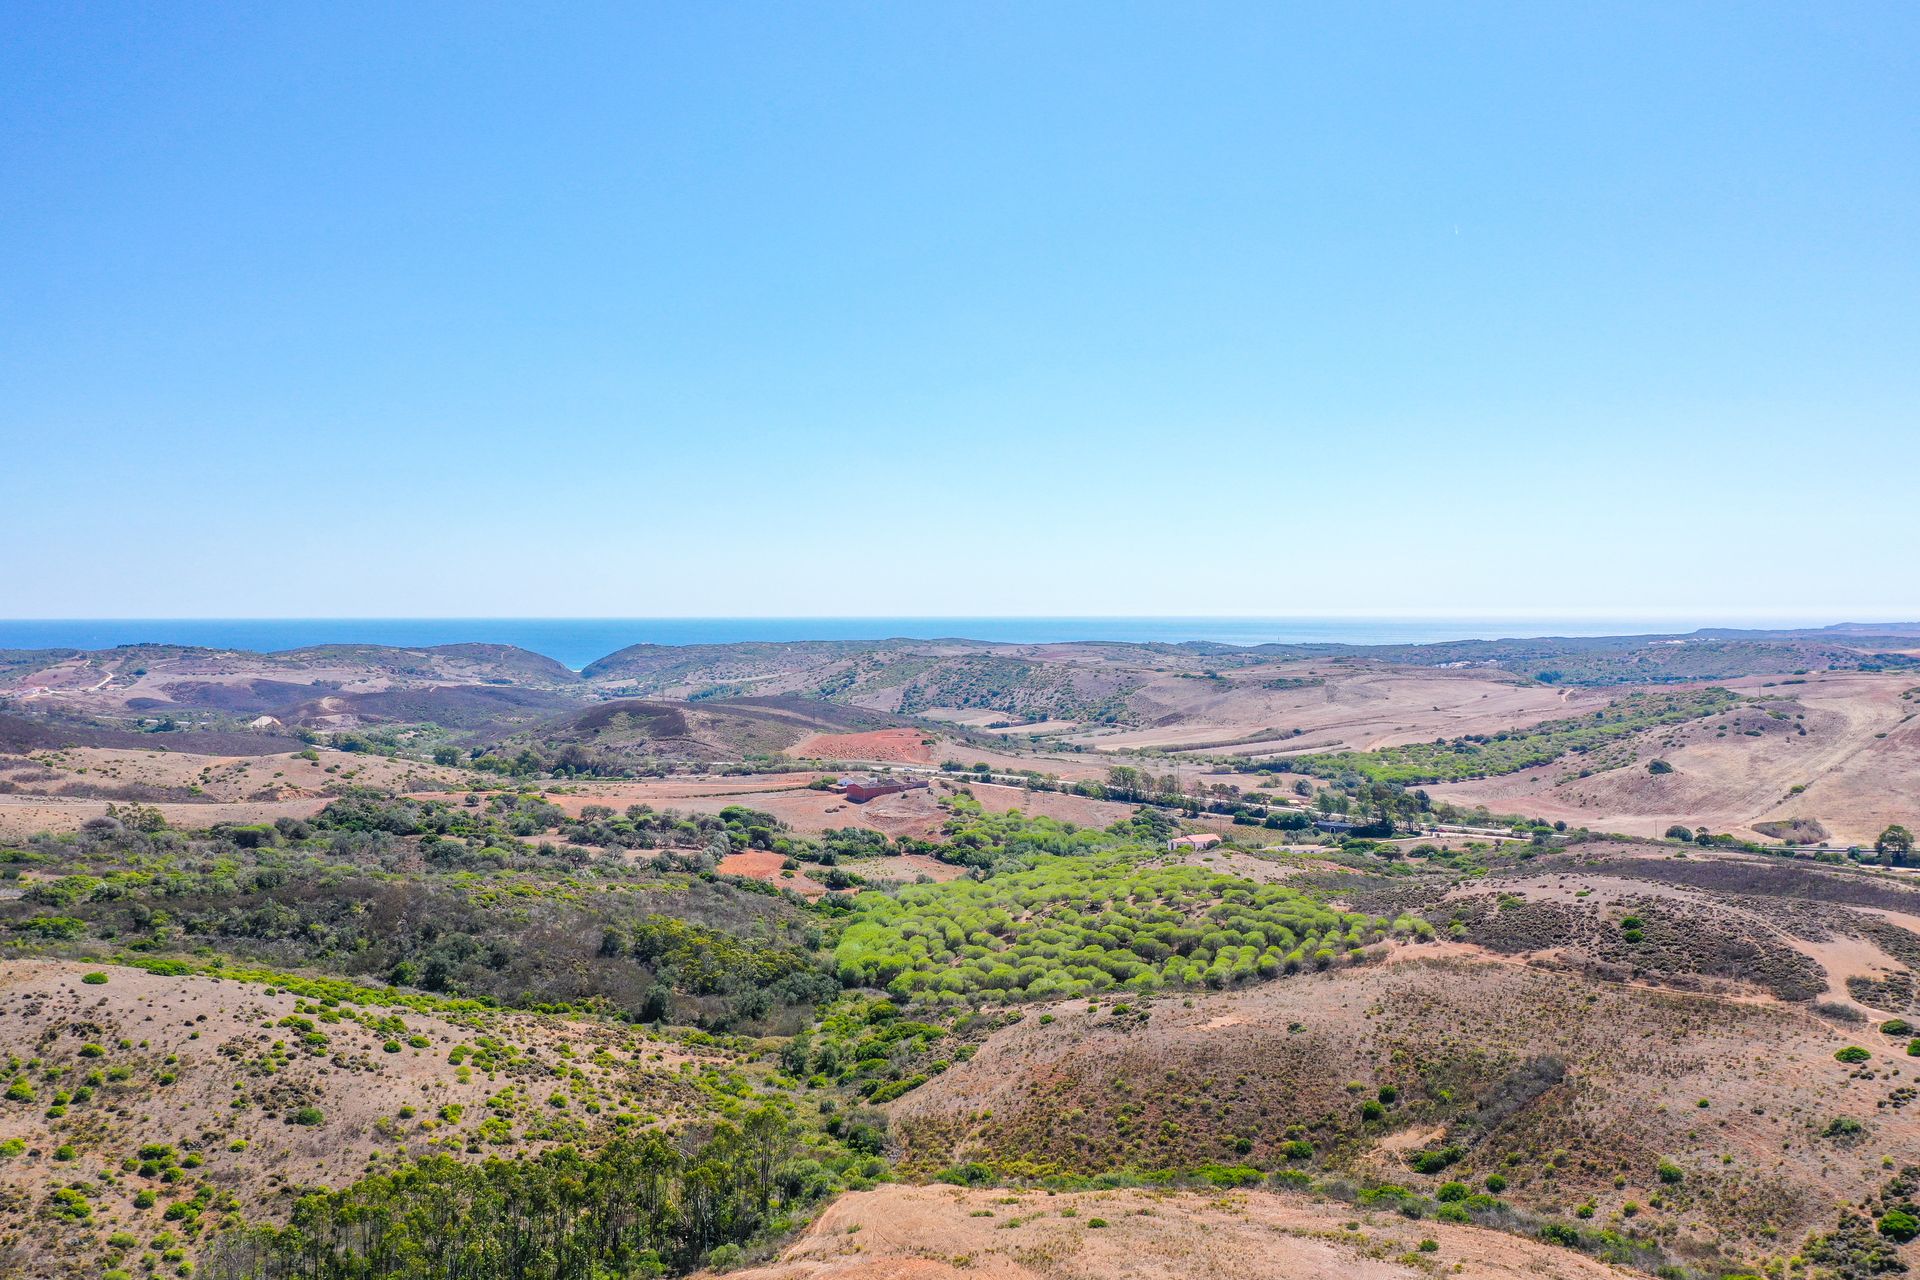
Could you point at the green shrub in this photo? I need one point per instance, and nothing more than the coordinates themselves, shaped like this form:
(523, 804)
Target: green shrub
(1434, 1159)
(1852, 1053)
(1898, 1224)
(94, 979)
(1079, 925)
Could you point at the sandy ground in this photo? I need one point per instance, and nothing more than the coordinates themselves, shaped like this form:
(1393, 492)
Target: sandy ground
(946, 1233)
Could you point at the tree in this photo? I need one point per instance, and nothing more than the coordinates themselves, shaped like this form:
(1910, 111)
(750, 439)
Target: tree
(1678, 832)
(1895, 845)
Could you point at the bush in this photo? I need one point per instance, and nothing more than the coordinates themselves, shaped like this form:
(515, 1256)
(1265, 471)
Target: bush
(1851, 1054)
(1843, 1127)
(1496, 1183)
(1434, 1159)
(1670, 1173)
(1896, 1027)
(1898, 1224)
(307, 1116)
(94, 979)
(1096, 1222)
(726, 1256)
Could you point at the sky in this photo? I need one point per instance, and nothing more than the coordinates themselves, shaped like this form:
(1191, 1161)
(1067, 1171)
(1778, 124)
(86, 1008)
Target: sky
(955, 309)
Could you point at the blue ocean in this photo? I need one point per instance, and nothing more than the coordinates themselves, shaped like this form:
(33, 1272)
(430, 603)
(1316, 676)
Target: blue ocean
(578, 641)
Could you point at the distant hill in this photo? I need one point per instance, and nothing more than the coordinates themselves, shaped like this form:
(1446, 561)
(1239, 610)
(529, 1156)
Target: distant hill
(644, 728)
(20, 735)
(485, 662)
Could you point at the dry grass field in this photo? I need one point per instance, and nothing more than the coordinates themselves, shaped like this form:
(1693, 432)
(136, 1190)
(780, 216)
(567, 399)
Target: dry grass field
(1331, 706)
(1855, 769)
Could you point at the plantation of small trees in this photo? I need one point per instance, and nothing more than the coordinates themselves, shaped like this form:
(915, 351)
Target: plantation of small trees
(1073, 926)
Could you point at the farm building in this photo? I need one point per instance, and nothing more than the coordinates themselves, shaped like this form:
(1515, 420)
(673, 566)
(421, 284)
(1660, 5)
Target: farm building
(1204, 840)
(862, 789)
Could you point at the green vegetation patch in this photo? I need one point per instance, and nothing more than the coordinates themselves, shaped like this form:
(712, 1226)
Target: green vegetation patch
(1488, 755)
(1071, 926)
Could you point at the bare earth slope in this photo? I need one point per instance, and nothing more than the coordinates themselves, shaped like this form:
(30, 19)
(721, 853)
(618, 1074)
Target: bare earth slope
(947, 1233)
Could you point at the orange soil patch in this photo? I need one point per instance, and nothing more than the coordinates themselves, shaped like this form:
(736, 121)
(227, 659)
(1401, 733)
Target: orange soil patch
(904, 746)
(765, 864)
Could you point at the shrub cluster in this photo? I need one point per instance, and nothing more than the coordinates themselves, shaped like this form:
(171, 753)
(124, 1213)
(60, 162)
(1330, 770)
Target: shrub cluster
(1070, 926)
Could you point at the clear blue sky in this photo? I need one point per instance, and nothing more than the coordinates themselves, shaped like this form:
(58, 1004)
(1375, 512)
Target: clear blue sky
(1053, 308)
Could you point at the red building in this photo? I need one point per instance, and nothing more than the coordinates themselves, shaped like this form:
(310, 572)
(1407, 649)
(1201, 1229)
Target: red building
(861, 790)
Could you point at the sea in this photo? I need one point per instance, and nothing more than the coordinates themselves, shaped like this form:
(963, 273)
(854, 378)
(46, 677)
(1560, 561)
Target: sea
(576, 642)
